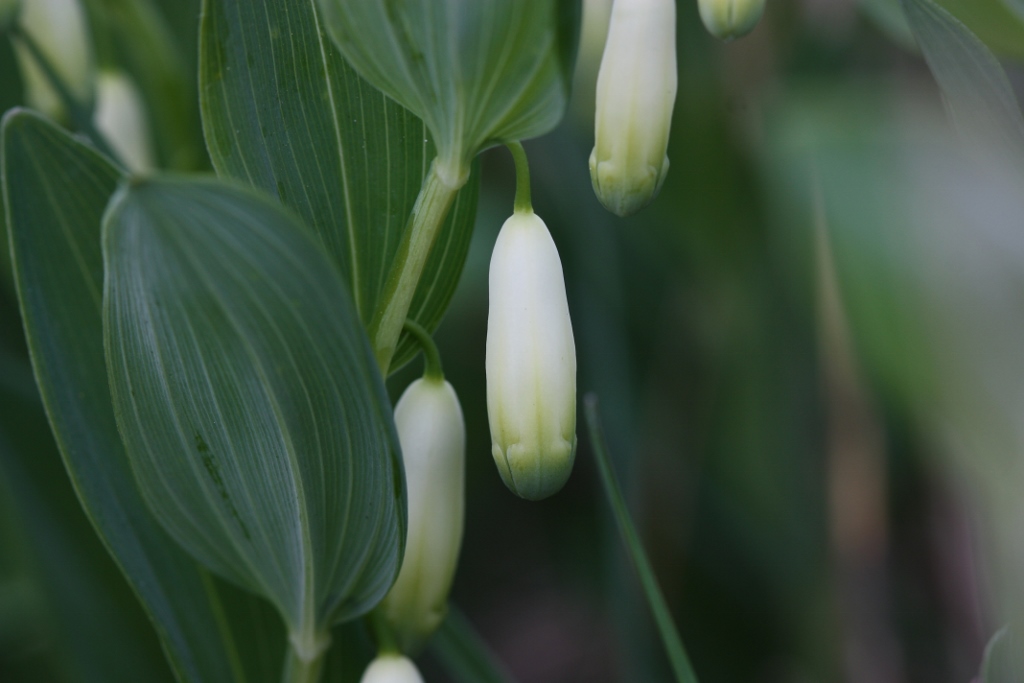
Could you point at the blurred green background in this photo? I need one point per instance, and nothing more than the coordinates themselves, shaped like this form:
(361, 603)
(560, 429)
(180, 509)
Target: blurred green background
(808, 351)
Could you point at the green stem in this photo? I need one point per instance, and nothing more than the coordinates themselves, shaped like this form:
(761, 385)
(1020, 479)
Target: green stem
(431, 356)
(303, 667)
(80, 115)
(669, 635)
(386, 642)
(523, 203)
(428, 215)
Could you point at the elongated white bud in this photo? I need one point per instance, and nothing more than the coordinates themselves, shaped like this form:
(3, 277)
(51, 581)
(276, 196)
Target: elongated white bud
(531, 361)
(60, 29)
(120, 115)
(636, 91)
(432, 434)
(728, 19)
(390, 668)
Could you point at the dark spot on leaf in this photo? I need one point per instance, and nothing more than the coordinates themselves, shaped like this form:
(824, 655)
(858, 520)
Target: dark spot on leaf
(213, 469)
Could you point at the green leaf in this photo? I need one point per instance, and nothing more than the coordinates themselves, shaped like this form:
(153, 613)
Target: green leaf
(56, 190)
(284, 112)
(977, 92)
(631, 539)
(464, 654)
(251, 407)
(477, 73)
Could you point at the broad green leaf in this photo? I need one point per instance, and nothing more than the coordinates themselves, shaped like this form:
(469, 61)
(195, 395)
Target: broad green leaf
(284, 112)
(251, 407)
(477, 73)
(56, 190)
(977, 92)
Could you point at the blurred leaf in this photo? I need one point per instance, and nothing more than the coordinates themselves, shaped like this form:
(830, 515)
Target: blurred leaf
(1002, 662)
(251, 407)
(991, 20)
(56, 190)
(977, 92)
(283, 111)
(993, 23)
(98, 631)
(464, 654)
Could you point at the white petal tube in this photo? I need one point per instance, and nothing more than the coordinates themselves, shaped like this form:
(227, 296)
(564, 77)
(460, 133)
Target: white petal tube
(120, 115)
(432, 434)
(531, 361)
(60, 29)
(636, 91)
(391, 669)
(728, 19)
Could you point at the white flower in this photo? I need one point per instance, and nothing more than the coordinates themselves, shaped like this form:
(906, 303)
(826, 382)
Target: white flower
(391, 668)
(636, 90)
(120, 116)
(531, 361)
(60, 30)
(432, 434)
(728, 19)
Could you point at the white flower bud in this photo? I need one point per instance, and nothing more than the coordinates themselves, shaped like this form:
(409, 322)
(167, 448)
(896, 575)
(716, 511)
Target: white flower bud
(531, 361)
(120, 115)
(432, 434)
(636, 90)
(728, 19)
(390, 668)
(61, 31)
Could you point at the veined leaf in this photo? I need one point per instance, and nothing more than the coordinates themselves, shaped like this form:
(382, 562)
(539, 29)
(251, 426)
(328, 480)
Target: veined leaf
(56, 190)
(477, 73)
(251, 407)
(978, 94)
(283, 111)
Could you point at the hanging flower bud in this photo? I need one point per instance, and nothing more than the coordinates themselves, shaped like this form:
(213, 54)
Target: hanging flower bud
(728, 19)
(432, 435)
(391, 668)
(60, 31)
(120, 115)
(636, 90)
(531, 361)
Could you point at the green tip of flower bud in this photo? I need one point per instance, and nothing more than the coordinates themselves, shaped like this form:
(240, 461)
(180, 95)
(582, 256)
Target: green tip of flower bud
(729, 19)
(535, 472)
(622, 190)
